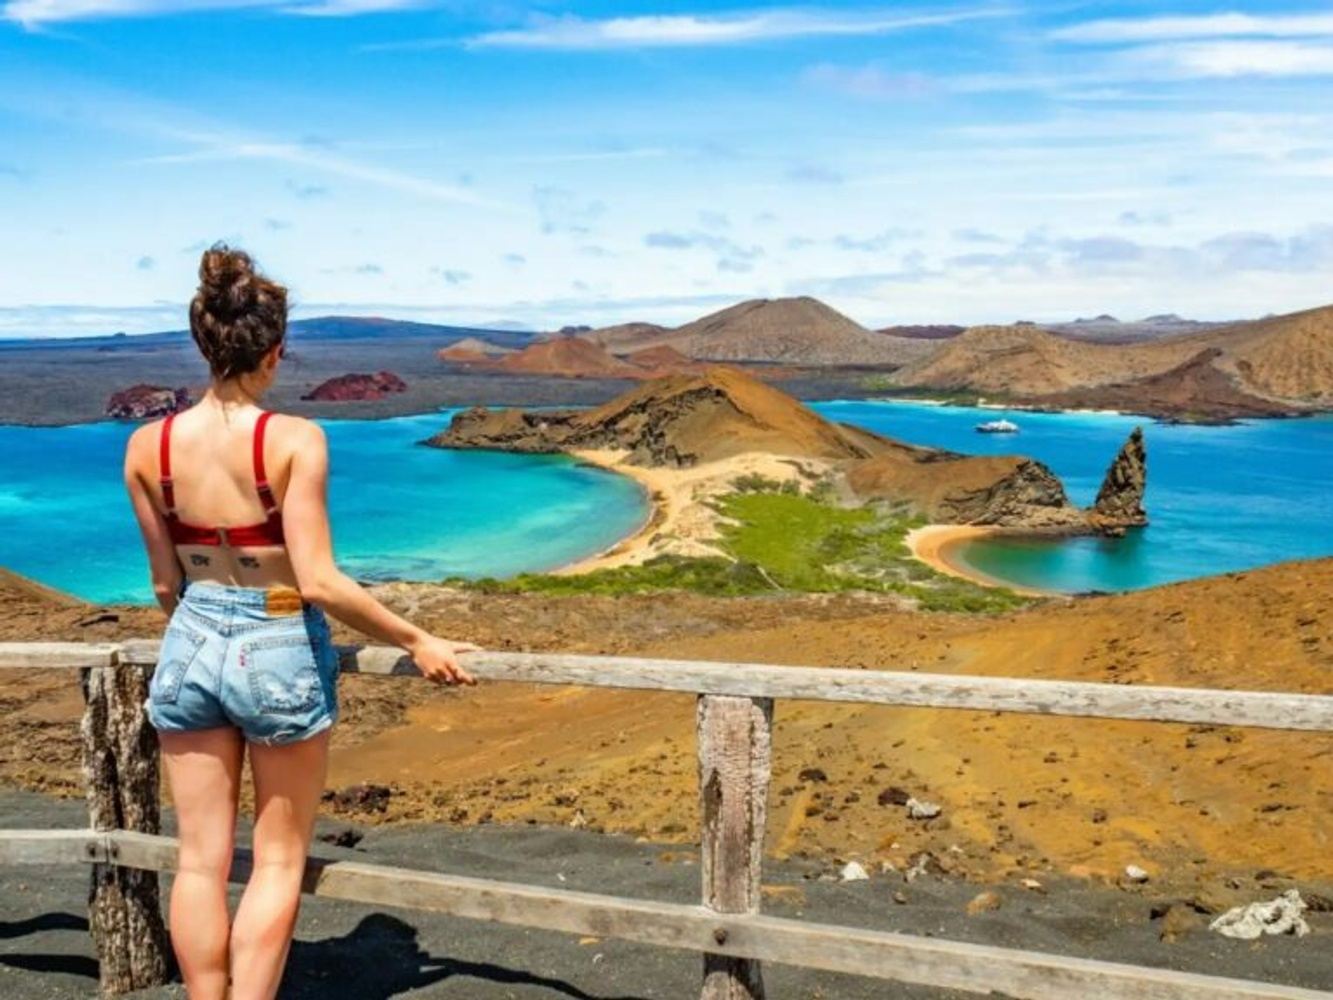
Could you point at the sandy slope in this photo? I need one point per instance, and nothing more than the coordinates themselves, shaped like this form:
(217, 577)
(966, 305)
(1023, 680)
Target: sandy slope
(1193, 804)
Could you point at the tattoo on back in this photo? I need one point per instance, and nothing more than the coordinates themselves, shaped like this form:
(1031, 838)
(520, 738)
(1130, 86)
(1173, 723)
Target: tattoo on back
(197, 560)
(248, 561)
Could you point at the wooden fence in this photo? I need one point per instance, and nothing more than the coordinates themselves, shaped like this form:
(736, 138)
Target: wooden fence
(734, 717)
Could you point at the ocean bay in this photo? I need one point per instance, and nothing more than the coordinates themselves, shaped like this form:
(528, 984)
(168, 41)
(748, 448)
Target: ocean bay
(1219, 499)
(399, 510)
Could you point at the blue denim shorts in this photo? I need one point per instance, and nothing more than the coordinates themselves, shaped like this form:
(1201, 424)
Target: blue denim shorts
(225, 660)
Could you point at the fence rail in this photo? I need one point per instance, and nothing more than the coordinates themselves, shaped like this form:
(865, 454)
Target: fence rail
(734, 729)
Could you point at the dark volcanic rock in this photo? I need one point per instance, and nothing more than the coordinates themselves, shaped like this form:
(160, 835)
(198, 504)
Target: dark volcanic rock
(1120, 500)
(357, 386)
(949, 488)
(142, 401)
(364, 797)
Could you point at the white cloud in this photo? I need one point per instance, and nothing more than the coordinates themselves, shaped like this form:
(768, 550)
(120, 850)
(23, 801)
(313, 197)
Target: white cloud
(572, 32)
(35, 13)
(871, 82)
(348, 8)
(1201, 60)
(1154, 29)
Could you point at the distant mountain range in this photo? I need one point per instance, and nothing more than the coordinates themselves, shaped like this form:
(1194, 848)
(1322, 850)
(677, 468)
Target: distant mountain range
(1276, 364)
(1161, 365)
(319, 328)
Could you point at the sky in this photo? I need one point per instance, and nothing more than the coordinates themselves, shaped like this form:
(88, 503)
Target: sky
(536, 165)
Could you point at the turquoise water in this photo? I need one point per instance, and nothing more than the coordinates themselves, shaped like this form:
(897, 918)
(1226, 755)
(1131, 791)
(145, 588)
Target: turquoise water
(1219, 499)
(398, 510)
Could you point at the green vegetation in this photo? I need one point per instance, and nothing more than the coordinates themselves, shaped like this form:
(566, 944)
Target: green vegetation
(885, 387)
(782, 540)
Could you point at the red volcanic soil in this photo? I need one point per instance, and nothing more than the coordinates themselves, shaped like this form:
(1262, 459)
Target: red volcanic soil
(470, 350)
(142, 401)
(571, 357)
(357, 386)
(664, 360)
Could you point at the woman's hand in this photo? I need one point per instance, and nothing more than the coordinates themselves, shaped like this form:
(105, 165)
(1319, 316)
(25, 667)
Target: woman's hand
(437, 659)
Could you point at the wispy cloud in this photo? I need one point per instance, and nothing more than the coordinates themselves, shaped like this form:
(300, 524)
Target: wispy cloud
(35, 13)
(1202, 60)
(678, 30)
(1151, 29)
(870, 82)
(206, 140)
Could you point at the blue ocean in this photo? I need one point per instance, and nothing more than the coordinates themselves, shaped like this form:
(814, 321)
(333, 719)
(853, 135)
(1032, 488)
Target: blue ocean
(1219, 499)
(398, 510)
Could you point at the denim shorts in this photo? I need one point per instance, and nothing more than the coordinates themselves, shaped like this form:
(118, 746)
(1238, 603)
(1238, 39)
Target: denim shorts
(225, 660)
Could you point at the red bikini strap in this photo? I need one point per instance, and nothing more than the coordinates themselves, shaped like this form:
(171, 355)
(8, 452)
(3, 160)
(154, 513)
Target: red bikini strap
(164, 463)
(261, 479)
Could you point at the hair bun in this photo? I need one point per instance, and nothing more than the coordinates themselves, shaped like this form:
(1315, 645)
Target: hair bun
(227, 283)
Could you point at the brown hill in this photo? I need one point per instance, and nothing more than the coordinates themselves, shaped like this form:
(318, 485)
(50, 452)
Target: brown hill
(1225, 372)
(625, 336)
(1217, 814)
(792, 331)
(570, 357)
(1286, 358)
(924, 331)
(1197, 391)
(679, 420)
(686, 420)
(801, 331)
(1026, 361)
(664, 360)
(471, 350)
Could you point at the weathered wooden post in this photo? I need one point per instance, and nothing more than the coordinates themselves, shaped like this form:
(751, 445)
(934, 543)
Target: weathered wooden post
(735, 762)
(120, 775)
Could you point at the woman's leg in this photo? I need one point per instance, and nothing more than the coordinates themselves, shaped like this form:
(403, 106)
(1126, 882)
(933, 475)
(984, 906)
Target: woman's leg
(288, 783)
(204, 770)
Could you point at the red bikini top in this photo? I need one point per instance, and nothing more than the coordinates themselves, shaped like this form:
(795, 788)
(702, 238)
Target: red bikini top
(266, 532)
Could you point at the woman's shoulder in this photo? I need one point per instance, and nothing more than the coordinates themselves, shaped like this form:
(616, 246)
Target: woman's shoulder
(295, 433)
(145, 435)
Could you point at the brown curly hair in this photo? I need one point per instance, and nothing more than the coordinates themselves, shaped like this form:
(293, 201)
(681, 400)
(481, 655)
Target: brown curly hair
(237, 315)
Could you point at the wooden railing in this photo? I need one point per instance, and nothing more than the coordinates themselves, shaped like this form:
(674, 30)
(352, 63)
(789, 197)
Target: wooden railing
(734, 718)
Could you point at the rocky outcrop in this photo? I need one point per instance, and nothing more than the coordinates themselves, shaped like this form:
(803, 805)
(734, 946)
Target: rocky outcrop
(677, 421)
(567, 357)
(1120, 500)
(948, 488)
(357, 386)
(140, 402)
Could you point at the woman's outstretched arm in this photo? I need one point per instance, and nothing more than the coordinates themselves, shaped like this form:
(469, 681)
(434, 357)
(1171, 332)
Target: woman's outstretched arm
(305, 523)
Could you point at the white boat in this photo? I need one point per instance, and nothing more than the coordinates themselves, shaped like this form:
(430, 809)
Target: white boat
(998, 427)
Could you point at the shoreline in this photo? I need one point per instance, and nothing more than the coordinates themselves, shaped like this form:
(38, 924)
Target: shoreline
(657, 515)
(681, 522)
(337, 411)
(933, 545)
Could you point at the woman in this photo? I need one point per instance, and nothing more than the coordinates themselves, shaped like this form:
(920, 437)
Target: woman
(231, 502)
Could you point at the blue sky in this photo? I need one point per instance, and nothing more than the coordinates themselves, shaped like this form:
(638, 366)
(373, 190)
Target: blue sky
(512, 163)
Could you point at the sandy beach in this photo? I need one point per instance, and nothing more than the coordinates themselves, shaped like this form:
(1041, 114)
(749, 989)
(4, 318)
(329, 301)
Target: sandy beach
(935, 543)
(681, 522)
